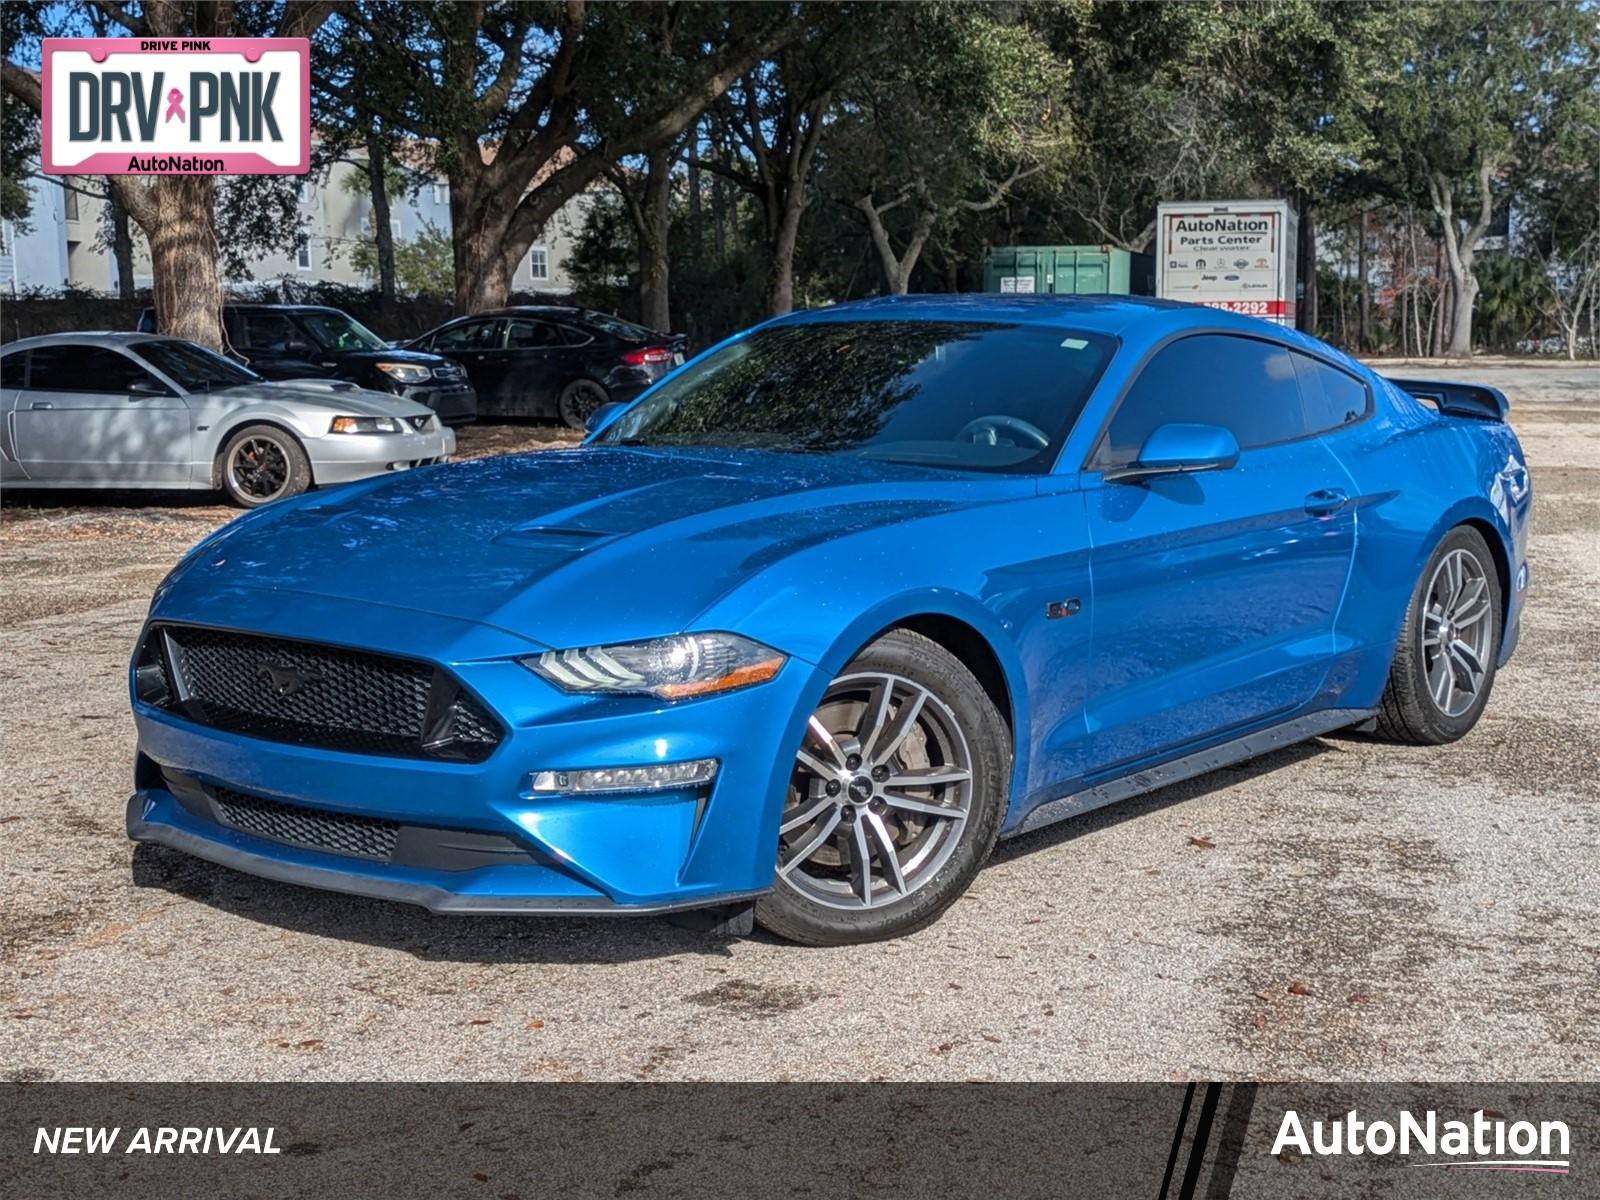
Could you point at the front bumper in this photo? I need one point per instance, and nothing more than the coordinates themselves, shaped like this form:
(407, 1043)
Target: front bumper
(456, 403)
(341, 458)
(614, 853)
(158, 819)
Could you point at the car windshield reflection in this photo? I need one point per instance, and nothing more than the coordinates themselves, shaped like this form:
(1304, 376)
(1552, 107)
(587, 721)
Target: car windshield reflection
(338, 331)
(962, 395)
(194, 368)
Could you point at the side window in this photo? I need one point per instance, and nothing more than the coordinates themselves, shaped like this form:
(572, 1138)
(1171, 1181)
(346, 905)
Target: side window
(14, 370)
(531, 335)
(83, 369)
(469, 335)
(1248, 387)
(270, 331)
(575, 337)
(1332, 398)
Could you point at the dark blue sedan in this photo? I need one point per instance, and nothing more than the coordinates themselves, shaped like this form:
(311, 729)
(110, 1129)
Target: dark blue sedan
(823, 614)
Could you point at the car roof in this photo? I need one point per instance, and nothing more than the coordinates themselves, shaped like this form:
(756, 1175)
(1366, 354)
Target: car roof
(260, 306)
(1141, 319)
(535, 310)
(108, 337)
(1109, 314)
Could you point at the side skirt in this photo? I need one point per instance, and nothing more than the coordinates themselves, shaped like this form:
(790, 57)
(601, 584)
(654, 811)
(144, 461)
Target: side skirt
(1251, 745)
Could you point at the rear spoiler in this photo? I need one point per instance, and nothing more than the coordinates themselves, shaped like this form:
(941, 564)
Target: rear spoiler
(1458, 399)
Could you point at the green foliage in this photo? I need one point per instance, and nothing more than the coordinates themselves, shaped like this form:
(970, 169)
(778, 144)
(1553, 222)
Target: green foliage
(1514, 303)
(423, 265)
(980, 99)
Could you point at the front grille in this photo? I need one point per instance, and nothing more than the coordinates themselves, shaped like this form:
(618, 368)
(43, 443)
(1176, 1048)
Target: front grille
(420, 423)
(314, 828)
(312, 694)
(448, 371)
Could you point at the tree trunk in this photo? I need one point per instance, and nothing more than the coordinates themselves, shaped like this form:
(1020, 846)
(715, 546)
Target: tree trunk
(1461, 246)
(1364, 294)
(897, 268)
(696, 231)
(121, 247)
(1307, 256)
(1464, 291)
(780, 268)
(480, 245)
(382, 231)
(183, 257)
(656, 224)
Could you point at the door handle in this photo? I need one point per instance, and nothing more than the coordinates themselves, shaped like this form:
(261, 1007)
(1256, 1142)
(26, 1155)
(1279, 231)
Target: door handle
(1326, 501)
(42, 404)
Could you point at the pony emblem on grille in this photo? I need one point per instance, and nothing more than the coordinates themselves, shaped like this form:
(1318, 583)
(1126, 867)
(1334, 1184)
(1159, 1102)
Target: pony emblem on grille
(285, 679)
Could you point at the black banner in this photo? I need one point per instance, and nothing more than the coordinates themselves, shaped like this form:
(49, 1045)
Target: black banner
(521, 1142)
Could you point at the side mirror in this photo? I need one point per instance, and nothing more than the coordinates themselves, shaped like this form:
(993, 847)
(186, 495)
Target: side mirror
(1180, 450)
(147, 387)
(601, 415)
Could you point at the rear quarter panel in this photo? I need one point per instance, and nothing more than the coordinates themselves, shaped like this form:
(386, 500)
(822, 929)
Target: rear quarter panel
(1418, 474)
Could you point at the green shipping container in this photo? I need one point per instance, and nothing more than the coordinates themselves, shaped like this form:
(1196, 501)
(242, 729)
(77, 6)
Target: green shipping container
(1069, 271)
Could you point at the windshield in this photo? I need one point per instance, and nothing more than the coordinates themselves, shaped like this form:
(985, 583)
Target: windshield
(960, 394)
(193, 368)
(338, 331)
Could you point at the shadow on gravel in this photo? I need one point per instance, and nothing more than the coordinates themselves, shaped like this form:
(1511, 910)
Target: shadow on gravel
(433, 937)
(103, 498)
(571, 940)
(1177, 793)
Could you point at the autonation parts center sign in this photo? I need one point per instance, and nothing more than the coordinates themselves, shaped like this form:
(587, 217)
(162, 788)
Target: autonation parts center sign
(176, 106)
(1233, 254)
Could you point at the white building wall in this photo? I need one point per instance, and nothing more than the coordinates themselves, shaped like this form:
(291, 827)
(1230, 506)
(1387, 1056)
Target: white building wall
(60, 250)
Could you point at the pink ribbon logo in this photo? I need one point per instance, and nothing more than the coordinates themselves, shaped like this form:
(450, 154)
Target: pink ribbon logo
(175, 105)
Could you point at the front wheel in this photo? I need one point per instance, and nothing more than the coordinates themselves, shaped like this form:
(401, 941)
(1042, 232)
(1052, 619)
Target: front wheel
(1444, 665)
(262, 463)
(895, 800)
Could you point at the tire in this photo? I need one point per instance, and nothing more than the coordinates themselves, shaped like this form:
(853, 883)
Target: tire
(1412, 710)
(843, 793)
(579, 400)
(260, 464)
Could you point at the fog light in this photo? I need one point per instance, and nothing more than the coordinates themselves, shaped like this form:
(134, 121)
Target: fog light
(150, 682)
(652, 778)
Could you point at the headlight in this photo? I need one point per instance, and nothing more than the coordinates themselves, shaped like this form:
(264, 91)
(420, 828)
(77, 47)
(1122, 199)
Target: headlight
(406, 372)
(364, 425)
(673, 668)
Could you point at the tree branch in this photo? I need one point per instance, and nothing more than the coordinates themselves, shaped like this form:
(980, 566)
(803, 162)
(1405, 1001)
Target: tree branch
(119, 13)
(23, 84)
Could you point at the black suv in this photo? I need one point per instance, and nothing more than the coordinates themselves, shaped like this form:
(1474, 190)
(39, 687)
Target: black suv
(308, 341)
(552, 361)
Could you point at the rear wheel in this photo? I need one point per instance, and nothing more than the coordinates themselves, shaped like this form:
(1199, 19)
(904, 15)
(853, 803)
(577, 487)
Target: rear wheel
(262, 463)
(1444, 666)
(895, 800)
(579, 400)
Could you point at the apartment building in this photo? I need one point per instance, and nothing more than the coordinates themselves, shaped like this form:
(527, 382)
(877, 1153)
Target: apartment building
(62, 246)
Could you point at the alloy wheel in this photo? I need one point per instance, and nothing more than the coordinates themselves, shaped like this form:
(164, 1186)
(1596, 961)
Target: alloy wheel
(259, 468)
(1457, 625)
(881, 789)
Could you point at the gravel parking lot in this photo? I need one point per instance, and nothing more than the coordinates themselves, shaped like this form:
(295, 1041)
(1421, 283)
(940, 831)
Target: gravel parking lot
(1339, 910)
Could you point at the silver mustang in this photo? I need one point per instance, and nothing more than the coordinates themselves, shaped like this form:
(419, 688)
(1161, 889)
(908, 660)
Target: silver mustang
(134, 410)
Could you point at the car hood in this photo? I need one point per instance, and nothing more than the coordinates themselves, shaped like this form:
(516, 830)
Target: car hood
(324, 395)
(571, 546)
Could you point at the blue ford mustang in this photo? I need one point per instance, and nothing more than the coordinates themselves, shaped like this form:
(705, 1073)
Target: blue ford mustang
(813, 622)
